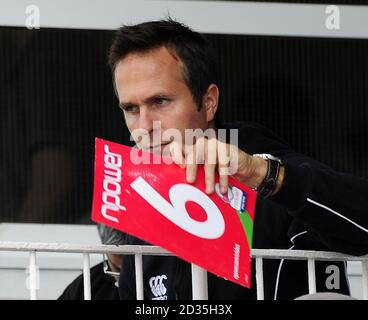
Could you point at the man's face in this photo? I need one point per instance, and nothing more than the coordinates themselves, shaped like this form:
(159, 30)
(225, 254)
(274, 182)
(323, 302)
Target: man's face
(115, 261)
(151, 88)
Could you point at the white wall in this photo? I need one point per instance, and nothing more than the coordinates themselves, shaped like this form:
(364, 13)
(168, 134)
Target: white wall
(285, 19)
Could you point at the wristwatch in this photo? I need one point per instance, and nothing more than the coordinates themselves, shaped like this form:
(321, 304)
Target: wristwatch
(268, 185)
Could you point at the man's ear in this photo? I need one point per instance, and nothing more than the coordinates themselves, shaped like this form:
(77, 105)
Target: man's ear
(210, 101)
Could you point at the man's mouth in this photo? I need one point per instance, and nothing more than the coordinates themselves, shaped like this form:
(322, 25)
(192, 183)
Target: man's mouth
(158, 147)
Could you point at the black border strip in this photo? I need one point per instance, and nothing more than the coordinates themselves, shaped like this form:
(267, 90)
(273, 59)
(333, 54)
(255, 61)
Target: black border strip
(326, 2)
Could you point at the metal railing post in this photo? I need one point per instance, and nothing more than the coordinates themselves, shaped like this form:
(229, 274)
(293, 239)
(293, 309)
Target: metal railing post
(139, 275)
(259, 278)
(311, 276)
(365, 279)
(33, 276)
(86, 277)
(199, 283)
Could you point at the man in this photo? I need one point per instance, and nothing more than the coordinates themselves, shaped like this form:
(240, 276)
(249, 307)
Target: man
(163, 71)
(104, 276)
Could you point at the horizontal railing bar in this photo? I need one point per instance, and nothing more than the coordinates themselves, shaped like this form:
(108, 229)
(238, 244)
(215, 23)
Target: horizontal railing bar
(155, 250)
(74, 248)
(305, 255)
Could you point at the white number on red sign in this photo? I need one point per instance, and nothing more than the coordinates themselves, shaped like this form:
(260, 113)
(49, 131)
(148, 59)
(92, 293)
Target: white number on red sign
(212, 228)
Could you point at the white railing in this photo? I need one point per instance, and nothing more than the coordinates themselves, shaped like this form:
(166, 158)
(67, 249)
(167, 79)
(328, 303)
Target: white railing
(199, 275)
(311, 257)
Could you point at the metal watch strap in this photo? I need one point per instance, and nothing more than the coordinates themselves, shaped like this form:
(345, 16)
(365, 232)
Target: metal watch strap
(268, 185)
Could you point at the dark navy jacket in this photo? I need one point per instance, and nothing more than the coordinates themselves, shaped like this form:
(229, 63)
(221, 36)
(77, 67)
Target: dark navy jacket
(317, 208)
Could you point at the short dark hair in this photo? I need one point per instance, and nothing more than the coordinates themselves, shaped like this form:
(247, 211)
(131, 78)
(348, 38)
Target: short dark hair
(192, 48)
(110, 235)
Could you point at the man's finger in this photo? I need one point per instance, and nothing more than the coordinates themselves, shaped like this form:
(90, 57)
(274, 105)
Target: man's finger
(210, 161)
(223, 166)
(176, 152)
(209, 171)
(191, 165)
(191, 173)
(223, 181)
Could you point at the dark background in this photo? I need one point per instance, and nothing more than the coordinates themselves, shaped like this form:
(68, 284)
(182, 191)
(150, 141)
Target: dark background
(56, 94)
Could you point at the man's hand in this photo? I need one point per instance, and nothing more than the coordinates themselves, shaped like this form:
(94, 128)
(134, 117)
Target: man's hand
(226, 159)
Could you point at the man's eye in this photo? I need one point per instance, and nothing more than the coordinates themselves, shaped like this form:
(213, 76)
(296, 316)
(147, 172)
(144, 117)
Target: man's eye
(130, 109)
(161, 101)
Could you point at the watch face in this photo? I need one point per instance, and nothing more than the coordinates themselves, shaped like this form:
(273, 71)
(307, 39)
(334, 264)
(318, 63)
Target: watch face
(225, 197)
(267, 156)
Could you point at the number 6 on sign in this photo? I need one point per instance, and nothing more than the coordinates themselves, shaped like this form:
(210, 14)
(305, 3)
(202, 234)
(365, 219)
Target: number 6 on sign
(215, 232)
(212, 228)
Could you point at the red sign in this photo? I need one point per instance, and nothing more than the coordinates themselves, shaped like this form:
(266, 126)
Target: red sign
(136, 193)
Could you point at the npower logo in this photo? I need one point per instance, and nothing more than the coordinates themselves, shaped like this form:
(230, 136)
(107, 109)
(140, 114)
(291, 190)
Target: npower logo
(158, 287)
(111, 185)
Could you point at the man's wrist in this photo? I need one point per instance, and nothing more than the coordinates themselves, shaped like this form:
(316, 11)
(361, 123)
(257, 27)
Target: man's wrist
(251, 170)
(280, 181)
(256, 170)
(270, 174)
(260, 172)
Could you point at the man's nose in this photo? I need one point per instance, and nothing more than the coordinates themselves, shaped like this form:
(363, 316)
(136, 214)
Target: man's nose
(146, 120)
